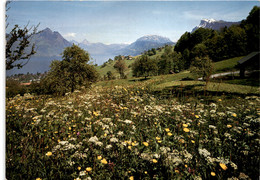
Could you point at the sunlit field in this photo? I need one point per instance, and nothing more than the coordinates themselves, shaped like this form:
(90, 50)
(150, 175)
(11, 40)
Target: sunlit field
(126, 132)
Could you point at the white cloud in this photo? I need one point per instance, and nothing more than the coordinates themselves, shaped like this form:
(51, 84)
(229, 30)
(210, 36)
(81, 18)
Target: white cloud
(70, 35)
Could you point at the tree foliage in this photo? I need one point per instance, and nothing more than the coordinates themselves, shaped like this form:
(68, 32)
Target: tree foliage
(203, 67)
(121, 67)
(70, 73)
(144, 67)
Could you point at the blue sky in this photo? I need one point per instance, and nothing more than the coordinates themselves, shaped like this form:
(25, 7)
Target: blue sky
(123, 21)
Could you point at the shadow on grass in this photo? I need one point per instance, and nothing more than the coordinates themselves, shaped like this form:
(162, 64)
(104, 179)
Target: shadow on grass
(139, 80)
(191, 91)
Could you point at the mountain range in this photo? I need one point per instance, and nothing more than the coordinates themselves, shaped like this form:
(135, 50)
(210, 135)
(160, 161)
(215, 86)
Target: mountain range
(50, 45)
(214, 24)
(145, 43)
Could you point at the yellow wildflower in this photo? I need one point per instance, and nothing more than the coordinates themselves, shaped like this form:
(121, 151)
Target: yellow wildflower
(186, 130)
(95, 113)
(196, 116)
(146, 143)
(169, 134)
(157, 138)
(129, 147)
(159, 141)
(223, 166)
(219, 100)
(104, 161)
(88, 169)
(193, 141)
(38, 178)
(177, 171)
(155, 161)
(99, 157)
(145, 172)
(134, 144)
(185, 125)
(48, 153)
(213, 174)
(131, 178)
(229, 126)
(79, 168)
(167, 129)
(234, 115)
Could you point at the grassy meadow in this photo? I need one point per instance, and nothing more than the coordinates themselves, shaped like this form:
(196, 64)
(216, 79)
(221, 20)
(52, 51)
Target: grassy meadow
(163, 127)
(125, 129)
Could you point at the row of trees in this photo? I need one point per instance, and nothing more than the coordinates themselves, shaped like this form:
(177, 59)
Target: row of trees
(146, 66)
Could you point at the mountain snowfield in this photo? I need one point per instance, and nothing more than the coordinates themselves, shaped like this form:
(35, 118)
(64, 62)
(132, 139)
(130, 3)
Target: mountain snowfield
(213, 24)
(154, 38)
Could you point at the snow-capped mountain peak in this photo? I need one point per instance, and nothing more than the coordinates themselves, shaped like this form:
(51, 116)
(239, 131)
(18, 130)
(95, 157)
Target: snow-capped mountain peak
(213, 24)
(154, 38)
(209, 20)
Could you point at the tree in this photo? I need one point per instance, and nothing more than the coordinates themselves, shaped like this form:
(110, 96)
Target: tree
(18, 46)
(252, 28)
(121, 67)
(202, 67)
(144, 67)
(236, 41)
(165, 65)
(110, 75)
(70, 73)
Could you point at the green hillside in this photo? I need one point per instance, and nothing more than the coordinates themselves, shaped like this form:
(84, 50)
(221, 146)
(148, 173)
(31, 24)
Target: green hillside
(109, 66)
(221, 66)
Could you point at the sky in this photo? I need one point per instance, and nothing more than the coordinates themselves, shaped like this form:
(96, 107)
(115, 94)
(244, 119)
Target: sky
(112, 22)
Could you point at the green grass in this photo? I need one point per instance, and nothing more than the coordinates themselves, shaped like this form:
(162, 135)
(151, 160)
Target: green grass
(242, 86)
(226, 65)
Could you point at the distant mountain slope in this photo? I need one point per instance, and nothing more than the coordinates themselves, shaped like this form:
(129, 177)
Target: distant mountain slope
(145, 43)
(213, 24)
(49, 43)
(100, 48)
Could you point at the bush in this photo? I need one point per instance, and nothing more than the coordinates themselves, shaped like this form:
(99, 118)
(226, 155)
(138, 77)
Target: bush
(13, 88)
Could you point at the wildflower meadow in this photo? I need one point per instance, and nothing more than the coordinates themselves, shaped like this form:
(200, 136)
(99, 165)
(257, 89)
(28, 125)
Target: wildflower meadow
(129, 133)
